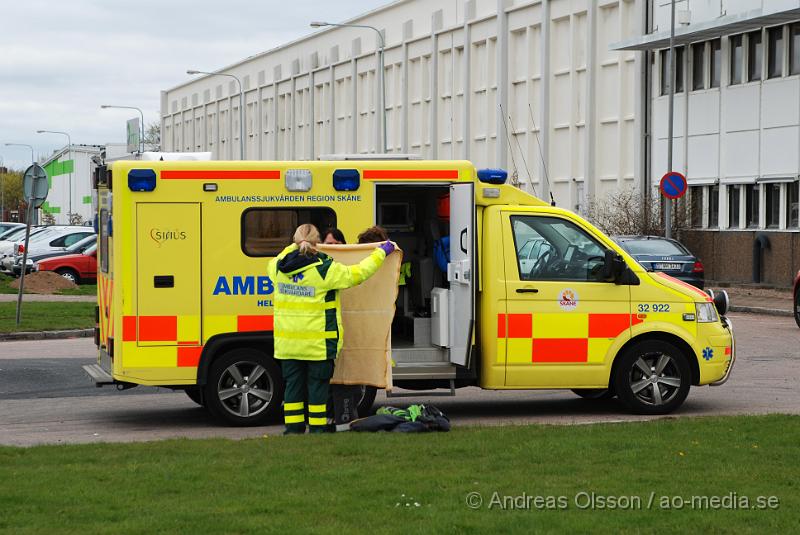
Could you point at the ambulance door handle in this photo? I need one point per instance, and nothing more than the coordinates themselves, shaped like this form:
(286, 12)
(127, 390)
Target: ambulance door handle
(527, 291)
(163, 281)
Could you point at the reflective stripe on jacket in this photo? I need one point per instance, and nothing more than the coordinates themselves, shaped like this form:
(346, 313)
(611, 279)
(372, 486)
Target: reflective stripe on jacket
(308, 315)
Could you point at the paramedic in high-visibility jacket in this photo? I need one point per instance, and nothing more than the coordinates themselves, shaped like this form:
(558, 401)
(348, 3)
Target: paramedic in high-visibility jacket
(308, 322)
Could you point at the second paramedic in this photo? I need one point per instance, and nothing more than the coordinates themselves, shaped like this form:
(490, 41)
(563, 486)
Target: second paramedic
(308, 322)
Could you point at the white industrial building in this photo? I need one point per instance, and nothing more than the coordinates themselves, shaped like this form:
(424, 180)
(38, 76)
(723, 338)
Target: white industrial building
(69, 171)
(569, 95)
(478, 79)
(736, 128)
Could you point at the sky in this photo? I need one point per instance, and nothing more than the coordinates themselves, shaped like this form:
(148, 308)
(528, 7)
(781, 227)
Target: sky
(61, 59)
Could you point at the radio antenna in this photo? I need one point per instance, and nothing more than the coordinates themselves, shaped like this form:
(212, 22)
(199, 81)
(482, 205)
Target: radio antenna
(541, 155)
(521, 154)
(515, 175)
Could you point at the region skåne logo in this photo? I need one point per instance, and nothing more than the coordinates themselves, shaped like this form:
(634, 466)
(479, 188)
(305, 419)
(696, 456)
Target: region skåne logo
(568, 300)
(161, 235)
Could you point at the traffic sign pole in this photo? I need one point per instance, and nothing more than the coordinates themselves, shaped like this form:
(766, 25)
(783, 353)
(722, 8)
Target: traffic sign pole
(35, 188)
(24, 266)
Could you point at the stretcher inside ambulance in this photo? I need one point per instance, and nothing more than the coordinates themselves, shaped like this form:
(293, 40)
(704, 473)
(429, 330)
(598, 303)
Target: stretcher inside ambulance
(499, 289)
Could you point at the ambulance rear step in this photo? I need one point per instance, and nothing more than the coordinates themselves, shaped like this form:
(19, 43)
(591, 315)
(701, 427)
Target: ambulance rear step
(424, 393)
(98, 375)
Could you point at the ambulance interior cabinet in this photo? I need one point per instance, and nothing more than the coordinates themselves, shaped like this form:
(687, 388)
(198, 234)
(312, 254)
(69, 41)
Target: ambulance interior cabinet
(439, 317)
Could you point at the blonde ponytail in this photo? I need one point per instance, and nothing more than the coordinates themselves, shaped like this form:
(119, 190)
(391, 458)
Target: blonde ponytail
(307, 237)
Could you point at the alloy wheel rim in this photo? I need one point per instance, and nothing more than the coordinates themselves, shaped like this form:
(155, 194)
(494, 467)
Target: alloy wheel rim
(655, 379)
(245, 389)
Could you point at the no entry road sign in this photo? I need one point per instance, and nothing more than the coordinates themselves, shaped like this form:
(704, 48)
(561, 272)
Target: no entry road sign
(673, 185)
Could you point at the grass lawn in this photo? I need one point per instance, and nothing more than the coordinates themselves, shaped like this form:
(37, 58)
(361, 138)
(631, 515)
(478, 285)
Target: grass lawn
(46, 316)
(360, 483)
(82, 289)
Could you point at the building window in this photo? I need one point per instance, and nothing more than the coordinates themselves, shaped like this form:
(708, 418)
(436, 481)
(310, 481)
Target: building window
(755, 56)
(737, 58)
(733, 206)
(792, 205)
(698, 66)
(775, 52)
(679, 53)
(794, 48)
(751, 201)
(773, 205)
(266, 231)
(696, 198)
(715, 63)
(713, 207)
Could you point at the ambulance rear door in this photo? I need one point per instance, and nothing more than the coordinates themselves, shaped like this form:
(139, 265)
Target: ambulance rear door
(460, 272)
(168, 286)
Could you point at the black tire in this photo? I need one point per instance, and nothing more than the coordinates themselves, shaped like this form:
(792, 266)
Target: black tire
(595, 393)
(367, 400)
(196, 395)
(637, 390)
(69, 274)
(797, 307)
(224, 394)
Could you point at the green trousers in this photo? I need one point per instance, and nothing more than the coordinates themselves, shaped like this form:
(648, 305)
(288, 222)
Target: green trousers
(306, 392)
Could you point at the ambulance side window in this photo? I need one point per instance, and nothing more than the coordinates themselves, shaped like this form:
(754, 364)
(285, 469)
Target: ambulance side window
(266, 231)
(551, 248)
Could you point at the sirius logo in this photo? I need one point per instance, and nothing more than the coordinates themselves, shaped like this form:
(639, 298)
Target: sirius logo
(160, 236)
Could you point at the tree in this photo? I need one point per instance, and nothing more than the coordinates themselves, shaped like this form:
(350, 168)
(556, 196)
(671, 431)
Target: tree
(626, 212)
(10, 192)
(152, 136)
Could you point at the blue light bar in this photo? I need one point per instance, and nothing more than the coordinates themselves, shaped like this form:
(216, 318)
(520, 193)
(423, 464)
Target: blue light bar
(141, 180)
(346, 180)
(493, 176)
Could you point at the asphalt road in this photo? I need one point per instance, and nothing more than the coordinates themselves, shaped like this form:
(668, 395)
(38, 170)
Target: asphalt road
(46, 398)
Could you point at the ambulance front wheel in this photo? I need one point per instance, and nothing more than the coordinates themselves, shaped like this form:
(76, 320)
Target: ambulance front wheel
(652, 377)
(244, 388)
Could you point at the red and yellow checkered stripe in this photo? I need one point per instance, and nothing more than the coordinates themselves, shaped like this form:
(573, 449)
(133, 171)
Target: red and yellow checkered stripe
(559, 338)
(167, 329)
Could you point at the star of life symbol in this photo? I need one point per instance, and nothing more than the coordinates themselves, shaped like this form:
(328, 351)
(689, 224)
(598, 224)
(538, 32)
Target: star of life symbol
(708, 353)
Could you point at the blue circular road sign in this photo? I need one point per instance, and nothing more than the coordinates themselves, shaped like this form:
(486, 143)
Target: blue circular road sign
(673, 185)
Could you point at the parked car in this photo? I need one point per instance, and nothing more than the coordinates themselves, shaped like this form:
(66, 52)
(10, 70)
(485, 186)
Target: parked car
(797, 298)
(6, 226)
(78, 268)
(13, 236)
(656, 253)
(50, 238)
(11, 264)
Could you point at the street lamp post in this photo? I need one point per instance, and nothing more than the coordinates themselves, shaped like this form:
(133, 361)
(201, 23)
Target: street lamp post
(241, 105)
(670, 118)
(319, 24)
(69, 156)
(22, 145)
(141, 141)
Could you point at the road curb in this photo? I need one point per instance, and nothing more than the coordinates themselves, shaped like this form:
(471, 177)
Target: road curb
(765, 311)
(47, 335)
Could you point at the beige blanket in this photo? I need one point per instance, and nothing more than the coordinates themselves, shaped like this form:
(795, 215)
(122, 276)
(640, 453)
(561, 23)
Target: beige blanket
(367, 313)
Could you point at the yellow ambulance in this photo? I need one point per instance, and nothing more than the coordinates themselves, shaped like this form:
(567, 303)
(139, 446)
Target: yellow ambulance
(503, 291)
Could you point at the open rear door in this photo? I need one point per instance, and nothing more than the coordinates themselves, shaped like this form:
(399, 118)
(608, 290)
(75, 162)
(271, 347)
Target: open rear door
(460, 271)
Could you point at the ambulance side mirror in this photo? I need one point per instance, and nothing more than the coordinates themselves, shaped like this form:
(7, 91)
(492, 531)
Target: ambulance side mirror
(613, 267)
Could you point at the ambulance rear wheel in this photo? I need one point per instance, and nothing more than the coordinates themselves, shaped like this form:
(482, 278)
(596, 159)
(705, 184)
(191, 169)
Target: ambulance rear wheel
(367, 400)
(244, 388)
(594, 393)
(652, 377)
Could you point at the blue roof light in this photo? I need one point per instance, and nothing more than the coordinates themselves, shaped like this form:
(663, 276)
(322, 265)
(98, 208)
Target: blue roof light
(493, 176)
(346, 180)
(141, 180)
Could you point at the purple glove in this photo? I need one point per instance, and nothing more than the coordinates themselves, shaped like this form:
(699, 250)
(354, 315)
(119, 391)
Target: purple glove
(388, 247)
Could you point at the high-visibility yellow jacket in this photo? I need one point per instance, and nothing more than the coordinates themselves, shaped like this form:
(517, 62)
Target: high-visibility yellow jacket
(308, 315)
